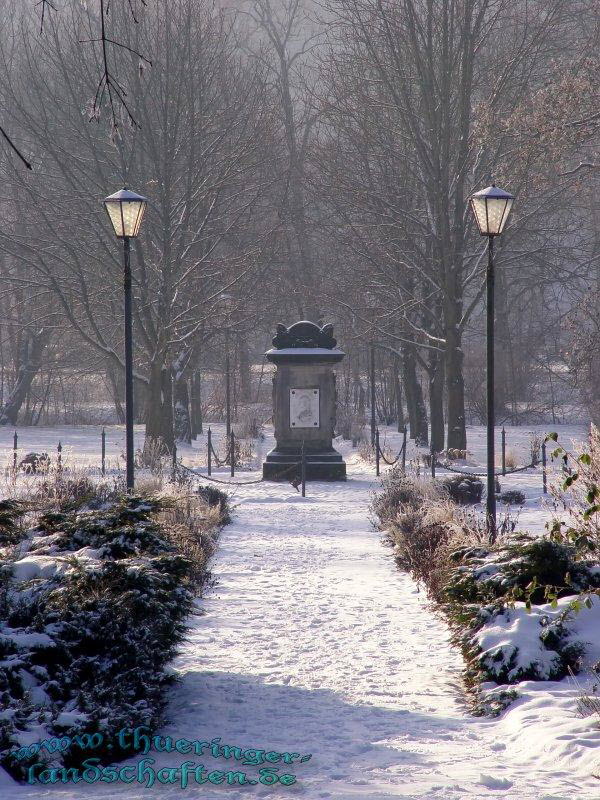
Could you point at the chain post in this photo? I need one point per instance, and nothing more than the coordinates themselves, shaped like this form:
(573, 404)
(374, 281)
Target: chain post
(404, 449)
(15, 446)
(59, 450)
(377, 451)
(503, 451)
(544, 474)
(232, 452)
(103, 438)
(209, 446)
(303, 469)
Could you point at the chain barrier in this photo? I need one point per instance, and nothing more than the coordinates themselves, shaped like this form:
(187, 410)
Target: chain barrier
(218, 461)
(483, 474)
(380, 454)
(395, 461)
(238, 483)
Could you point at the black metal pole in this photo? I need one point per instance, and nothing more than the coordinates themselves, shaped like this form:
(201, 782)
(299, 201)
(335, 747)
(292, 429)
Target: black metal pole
(209, 451)
(491, 478)
(15, 447)
(544, 472)
(303, 469)
(373, 425)
(503, 451)
(377, 451)
(103, 452)
(128, 363)
(232, 452)
(404, 432)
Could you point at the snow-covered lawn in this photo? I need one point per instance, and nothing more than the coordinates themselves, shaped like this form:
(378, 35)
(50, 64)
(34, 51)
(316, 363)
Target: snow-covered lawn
(313, 642)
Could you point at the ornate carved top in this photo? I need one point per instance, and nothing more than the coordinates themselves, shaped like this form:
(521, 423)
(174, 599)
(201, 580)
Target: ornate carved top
(304, 334)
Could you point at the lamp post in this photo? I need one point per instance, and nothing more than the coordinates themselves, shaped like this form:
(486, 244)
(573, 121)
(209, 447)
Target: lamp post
(491, 207)
(126, 210)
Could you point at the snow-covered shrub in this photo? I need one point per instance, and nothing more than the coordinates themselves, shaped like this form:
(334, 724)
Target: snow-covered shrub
(525, 568)
(505, 605)
(34, 463)
(520, 644)
(216, 498)
(424, 540)
(517, 644)
(424, 525)
(513, 497)
(94, 610)
(464, 489)
(400, 492)
(509, 605)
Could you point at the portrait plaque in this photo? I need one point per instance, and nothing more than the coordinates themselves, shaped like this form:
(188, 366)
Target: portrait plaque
(304, 408)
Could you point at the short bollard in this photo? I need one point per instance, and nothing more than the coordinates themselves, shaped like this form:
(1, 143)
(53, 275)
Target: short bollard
(503, 451)
(59, 450)
(544, 475)
(377, 451)
(15, 446)
(232, 452)
(103, 468)
(303, 470)
(209, 446)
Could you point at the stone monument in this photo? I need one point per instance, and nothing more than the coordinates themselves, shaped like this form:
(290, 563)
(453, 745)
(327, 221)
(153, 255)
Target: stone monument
(304, 403)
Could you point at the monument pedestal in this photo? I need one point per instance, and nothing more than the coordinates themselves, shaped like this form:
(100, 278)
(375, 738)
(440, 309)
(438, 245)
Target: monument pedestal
(304, 398)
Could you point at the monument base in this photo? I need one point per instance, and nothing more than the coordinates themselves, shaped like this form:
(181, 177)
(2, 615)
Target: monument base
(284, 465)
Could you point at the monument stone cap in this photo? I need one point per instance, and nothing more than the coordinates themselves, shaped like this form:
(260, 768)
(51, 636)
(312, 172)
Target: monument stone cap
(304, 342)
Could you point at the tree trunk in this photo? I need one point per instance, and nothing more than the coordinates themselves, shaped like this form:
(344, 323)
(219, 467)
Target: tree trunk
(436, 400)
(457, 433)
(503, 381)
(117, 392)
(181, 407)
(398, 395)
(196, 403)
(159, 418)
(414, 398)
(31, 357)
(245, 373)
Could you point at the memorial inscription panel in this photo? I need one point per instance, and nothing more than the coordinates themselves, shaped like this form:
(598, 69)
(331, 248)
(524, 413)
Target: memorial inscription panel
(304, 408)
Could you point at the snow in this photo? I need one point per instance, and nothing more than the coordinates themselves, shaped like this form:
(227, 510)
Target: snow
(516, 633)
(313, 642)
(305, 351)
(23, 639)
(38, 567)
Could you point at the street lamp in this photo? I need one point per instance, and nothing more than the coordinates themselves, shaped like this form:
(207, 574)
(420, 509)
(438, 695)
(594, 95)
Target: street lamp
(126, 210)
(491, 207)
